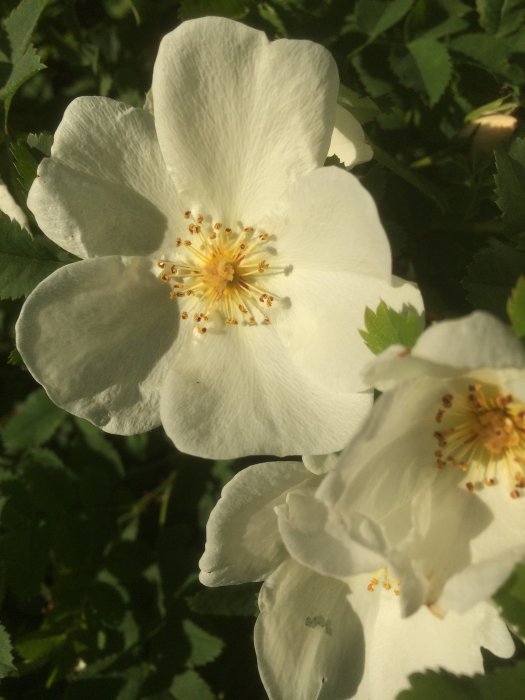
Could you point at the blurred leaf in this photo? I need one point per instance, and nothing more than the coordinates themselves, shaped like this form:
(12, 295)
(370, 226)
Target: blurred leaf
(491, 276)
(500, 16)
(25, 68)
(516, 308)
(414, 178)
(434, 65)
(40, 646)
(33, 424)
(362, 108)
(510, 188)
(204, 646)
(190, 686)
(511, 599)
(373, 17)
(227, 600)
(6, 656)
(491, 53)
(24, 261)
(233, 9)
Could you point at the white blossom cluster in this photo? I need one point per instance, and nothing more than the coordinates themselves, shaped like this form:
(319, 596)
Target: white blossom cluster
(222, 281)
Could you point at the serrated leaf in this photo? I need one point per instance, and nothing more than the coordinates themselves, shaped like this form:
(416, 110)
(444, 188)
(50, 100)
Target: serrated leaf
(511, 599)
(24, 261)
(20, 25)
(510, 189)
(491, 275)
(227, 600)
(42, 142)
(190, 686)
(386, 327)
(205, 647)
(34, 424)
(505, 683)
(6, 656)
(516, 308)
(491, 53)
(434, 65)
(25, 67)
(373, 17)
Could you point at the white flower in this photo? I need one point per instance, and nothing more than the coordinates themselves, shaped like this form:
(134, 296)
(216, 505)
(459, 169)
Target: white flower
(319, 637)
(434, 482)
(268, 260)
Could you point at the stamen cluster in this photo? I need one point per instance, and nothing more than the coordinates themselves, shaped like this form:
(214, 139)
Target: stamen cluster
(219, 274)
(482, 431)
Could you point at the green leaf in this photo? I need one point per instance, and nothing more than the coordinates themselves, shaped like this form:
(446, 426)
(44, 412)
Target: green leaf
(386, 327)
(516, 308)
(24, 261)
(33, 424)
(500, 16)
(204, 646)
(40, 646)
(433, 62)
(362, 108)
(190, 686)
(510, 188)
(491, 276)
(42, 142)
(25, 68)
(511, 599)
(227, 600)
(20, 25)
(373, 17)
(6, 656)
(491, 53)
(504, 683)
(234, 9)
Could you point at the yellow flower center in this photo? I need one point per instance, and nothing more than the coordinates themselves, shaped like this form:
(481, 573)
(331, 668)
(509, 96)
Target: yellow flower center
(482, 431)
(381, 579)
(220, 274)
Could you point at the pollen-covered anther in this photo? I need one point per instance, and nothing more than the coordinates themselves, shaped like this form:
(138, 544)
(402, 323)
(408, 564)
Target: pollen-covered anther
(223, 268)
(482, 432)
(382, 578)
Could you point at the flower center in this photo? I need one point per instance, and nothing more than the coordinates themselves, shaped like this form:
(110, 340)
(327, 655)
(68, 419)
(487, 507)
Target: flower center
(219, 274)
(482, 431)
(382, 579)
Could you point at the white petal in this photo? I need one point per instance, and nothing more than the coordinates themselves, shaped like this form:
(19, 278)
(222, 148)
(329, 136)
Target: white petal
(327, 310)
(348, 140)
(477, 340)
(331, 225)
(493, 552)
(307, 638)
(238, 392)
(320, 464)
(397, 647)
(242, 538)
(98, 335)
(317, 538)
(10, 207)
(105, 190)
(239, 118)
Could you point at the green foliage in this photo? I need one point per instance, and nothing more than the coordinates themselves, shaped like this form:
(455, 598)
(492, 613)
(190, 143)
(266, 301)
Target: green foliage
(433, 62)
(516, 308)
(33, 425)
(25, 62)
(24, 261)
(503, 684)
(510, 187)
(6, 656)
(492, 275)
(189, 686)
(386, 327)
(234, 9)
(511, 599)
(240, 600)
